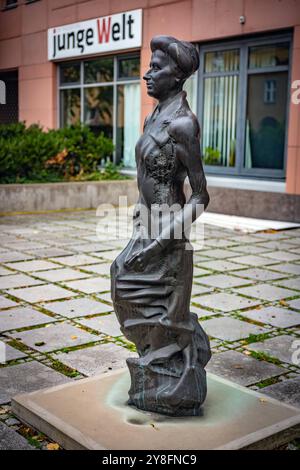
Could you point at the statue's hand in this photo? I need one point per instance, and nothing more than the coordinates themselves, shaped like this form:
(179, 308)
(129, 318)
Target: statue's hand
(139, 261)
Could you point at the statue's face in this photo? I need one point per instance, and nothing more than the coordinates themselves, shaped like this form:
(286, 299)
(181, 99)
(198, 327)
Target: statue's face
(160, 77)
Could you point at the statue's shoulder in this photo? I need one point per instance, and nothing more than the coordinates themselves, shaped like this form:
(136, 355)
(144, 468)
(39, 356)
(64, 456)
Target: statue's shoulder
(184, 124)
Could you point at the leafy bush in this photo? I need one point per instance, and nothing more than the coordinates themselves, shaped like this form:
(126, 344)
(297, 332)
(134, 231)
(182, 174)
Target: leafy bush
(31, 154)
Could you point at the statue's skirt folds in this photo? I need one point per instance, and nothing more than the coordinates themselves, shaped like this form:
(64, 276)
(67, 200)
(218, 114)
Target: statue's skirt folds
(153, 308)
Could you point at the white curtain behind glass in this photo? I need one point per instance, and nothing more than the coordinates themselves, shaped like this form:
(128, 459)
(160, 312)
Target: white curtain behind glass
(132, 109)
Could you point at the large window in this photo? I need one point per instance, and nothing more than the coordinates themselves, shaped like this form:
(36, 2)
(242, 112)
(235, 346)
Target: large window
(243, 98)
(104, 93)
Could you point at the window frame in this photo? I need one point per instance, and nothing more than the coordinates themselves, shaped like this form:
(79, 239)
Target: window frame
(244, 71)
(82, 86)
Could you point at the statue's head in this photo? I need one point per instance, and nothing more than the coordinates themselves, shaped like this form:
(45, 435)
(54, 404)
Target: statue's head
(172, 62)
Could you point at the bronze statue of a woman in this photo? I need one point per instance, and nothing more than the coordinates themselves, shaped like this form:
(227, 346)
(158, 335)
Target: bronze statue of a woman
(152, 277)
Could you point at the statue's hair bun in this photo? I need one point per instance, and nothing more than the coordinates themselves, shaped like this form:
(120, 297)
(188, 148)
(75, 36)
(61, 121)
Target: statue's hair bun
(184, 54)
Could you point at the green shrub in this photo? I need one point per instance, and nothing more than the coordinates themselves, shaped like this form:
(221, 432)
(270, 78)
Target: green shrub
(31, 154)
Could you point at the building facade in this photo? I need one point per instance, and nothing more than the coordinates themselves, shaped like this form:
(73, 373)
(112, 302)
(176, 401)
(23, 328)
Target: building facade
(65, 61)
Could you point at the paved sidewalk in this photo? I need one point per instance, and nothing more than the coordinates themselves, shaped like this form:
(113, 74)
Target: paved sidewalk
(57, 323)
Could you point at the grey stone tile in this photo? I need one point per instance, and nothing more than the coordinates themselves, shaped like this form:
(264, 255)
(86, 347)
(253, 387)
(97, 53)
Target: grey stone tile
(218, 253)
(242, 369)
(34, 265)
(21, 317)
(11, 440)
(287, 391)
(4, 271)
(289, 268)
(201, 312)
(294, 304)
(266, 292)
(199, 271)
(197, 289)
(230, 329)
(220, 265)
(249, 249)
(77, 307)
(18, 280)
(41, 293)
(11, 256)
(107, 324)
(77, 260)
(107, 255)
(254, 260)
(276, 245)
(90, 286)
(27, 377)
(282, 256)
(293, 283)
(96, 359)
(259, 274)
(58, 336)
(275, 316)
(100, 268)
(25, 245)
(6, 303)
(50, 252)
(61, 274)
(7, 353)
(224, 302)
(222, 281)
(106, 296)
(279, 347)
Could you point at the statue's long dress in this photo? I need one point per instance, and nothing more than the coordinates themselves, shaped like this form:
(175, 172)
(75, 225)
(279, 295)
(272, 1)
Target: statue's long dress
(153, 306)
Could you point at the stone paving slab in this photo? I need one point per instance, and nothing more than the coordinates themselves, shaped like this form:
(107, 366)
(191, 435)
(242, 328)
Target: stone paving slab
(21, 317)
(267, 292)
(253, 260)
(287, 391)
(58, 336)
(10, 354)
(101, 268)
(279, 347)
(198, 289)
(230, 329)
(107, 324)
(201, 312)
(50, 252)
(293, 283)
(10, 256)
(275, 316)
(220, 265)
(4, 271)
(32, 266)
(242, 369)
(225, 302)
(288, 268)
(282, 256)
(61, 274)
(96, 359)
(77, 307)
(18, 280)
(41, 293)
(27, 377)
(11, 440)
(76, 260)
(90, 286)
(259, 274)
(294, 304)
(222, 281)
(6, 303)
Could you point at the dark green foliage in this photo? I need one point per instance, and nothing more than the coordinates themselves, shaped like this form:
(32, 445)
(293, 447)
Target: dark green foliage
(34, 155)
